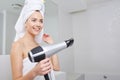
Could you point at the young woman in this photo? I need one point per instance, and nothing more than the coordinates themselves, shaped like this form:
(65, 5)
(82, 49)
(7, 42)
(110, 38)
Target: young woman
(32, 26)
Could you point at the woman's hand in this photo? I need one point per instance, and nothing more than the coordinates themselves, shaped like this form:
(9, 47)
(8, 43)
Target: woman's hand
(47, 38)
(54, 59)
(43, 67)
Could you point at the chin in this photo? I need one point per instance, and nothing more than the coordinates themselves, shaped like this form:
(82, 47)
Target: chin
(36, 34)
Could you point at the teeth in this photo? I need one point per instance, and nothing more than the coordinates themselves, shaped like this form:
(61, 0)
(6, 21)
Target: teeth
(36, 28)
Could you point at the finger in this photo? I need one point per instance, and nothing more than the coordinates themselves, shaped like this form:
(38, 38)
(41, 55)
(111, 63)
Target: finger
(45, 61)
(46, 35)
(48, 67)
(46, 72)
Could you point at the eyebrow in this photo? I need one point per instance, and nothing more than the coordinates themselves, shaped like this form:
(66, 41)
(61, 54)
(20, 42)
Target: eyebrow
(36, 18)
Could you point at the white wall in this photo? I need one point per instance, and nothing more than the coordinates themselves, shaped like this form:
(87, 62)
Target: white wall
(51, 27)
(97, 38)
(11, 19)
(51, 19)
(65, 32)
(7, 30)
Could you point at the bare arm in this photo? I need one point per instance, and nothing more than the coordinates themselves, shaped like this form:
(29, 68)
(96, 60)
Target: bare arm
(41, 68)
(55, 62)
(17, 65)
(54, 59)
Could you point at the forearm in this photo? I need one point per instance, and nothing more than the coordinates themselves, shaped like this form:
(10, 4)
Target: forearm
(29, 76)
(55, 63)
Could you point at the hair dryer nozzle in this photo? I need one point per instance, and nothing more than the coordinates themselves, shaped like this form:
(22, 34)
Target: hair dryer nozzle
(69, 42)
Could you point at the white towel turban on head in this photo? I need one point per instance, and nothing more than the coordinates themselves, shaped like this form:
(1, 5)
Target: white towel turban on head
(29, 7)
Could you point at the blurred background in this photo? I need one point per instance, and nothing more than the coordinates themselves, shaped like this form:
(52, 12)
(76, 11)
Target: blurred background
(94, 24)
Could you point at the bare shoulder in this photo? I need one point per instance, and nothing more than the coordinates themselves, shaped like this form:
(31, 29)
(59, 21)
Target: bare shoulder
(16, 47)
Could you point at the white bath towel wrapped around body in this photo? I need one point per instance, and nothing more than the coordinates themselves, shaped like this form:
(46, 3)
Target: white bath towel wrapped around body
(27, 66)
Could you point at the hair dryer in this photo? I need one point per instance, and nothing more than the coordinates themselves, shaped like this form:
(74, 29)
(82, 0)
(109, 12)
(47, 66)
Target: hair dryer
(39, 53)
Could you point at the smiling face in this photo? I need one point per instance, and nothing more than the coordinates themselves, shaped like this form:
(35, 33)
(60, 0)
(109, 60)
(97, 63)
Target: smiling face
(34, 24)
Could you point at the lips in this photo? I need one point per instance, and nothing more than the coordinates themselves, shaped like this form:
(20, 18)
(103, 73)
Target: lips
(36, 29)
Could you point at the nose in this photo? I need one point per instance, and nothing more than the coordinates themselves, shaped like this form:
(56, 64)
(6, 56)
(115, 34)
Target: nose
(39, 24)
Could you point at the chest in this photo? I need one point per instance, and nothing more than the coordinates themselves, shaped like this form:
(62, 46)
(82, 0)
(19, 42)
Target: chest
(27, 48)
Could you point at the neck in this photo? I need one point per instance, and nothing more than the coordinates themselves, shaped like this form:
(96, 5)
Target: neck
(28, 37)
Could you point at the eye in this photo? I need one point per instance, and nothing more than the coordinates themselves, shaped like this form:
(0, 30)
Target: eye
(41, 21)
(33, 20)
